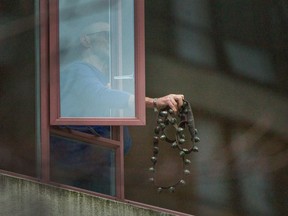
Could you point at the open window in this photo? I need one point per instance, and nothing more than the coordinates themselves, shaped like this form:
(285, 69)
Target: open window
(96, 62)
(96, 79)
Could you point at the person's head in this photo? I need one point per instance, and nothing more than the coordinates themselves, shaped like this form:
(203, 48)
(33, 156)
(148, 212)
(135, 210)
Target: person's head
(95, 40)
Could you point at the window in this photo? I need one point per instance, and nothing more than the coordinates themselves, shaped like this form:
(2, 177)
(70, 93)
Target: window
(246, 39)
(242, 155)
(192, 32)
(94, 78)
(92, 43)
(19, 71)
(229, 172)
(83, 163)
(33, 37)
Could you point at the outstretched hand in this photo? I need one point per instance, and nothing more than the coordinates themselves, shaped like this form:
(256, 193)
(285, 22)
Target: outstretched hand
(174, 101)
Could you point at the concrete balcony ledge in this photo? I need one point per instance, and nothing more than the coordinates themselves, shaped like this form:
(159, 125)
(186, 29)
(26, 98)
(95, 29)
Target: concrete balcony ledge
(21, 197)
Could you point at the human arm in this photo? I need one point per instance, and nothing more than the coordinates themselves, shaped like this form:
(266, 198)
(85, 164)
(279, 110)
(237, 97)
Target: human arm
(86, 93)
(174, 101)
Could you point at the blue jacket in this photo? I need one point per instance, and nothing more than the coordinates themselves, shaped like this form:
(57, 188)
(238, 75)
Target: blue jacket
(84, 92)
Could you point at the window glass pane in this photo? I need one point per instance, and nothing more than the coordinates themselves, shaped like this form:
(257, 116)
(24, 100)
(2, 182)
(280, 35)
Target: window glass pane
(250, 62)
(194, 46)
(18, 72)
(191, 31)
(253, 171)
(212, 164)
(96, 40)
(194, 13)
(82, 165)
(236, 171)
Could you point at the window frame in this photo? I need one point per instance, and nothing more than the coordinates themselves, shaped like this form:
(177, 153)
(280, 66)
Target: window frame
(139, 73)
(115, 144)
(48, 83)
(43, 176)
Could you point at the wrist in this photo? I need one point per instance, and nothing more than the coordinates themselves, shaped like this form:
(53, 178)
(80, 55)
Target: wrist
(155, 107)
(152, 103)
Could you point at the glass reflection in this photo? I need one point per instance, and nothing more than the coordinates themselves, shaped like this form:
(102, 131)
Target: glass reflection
(82, 165)
(18, 86)
(93, 82)
(242, 164)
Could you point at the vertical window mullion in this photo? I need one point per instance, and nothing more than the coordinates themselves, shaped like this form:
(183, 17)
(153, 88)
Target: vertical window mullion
(44, 101)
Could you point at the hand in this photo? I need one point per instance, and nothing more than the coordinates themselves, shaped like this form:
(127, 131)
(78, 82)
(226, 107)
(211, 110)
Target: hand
(174, 101)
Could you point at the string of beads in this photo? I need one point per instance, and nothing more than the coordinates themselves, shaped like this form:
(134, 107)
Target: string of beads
(182, 121)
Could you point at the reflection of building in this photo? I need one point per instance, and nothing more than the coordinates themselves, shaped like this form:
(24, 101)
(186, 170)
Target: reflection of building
(230, 59)
(227, 57)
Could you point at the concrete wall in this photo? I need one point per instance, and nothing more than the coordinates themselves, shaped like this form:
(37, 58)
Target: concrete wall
(27, 198)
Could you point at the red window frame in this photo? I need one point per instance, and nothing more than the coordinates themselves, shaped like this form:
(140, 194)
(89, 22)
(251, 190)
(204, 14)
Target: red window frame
(49, 65)
(116, 144)
(139, 49)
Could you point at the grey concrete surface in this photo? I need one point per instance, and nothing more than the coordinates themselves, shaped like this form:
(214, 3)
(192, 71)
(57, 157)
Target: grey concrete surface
(20, 197)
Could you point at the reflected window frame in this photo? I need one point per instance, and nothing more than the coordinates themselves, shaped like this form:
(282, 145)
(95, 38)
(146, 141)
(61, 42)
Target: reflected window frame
(139, 73)
(114, 145)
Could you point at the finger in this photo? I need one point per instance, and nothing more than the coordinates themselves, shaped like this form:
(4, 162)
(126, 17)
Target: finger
(179, 100)
(180, 104)
(172, 104)
(174, 100)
